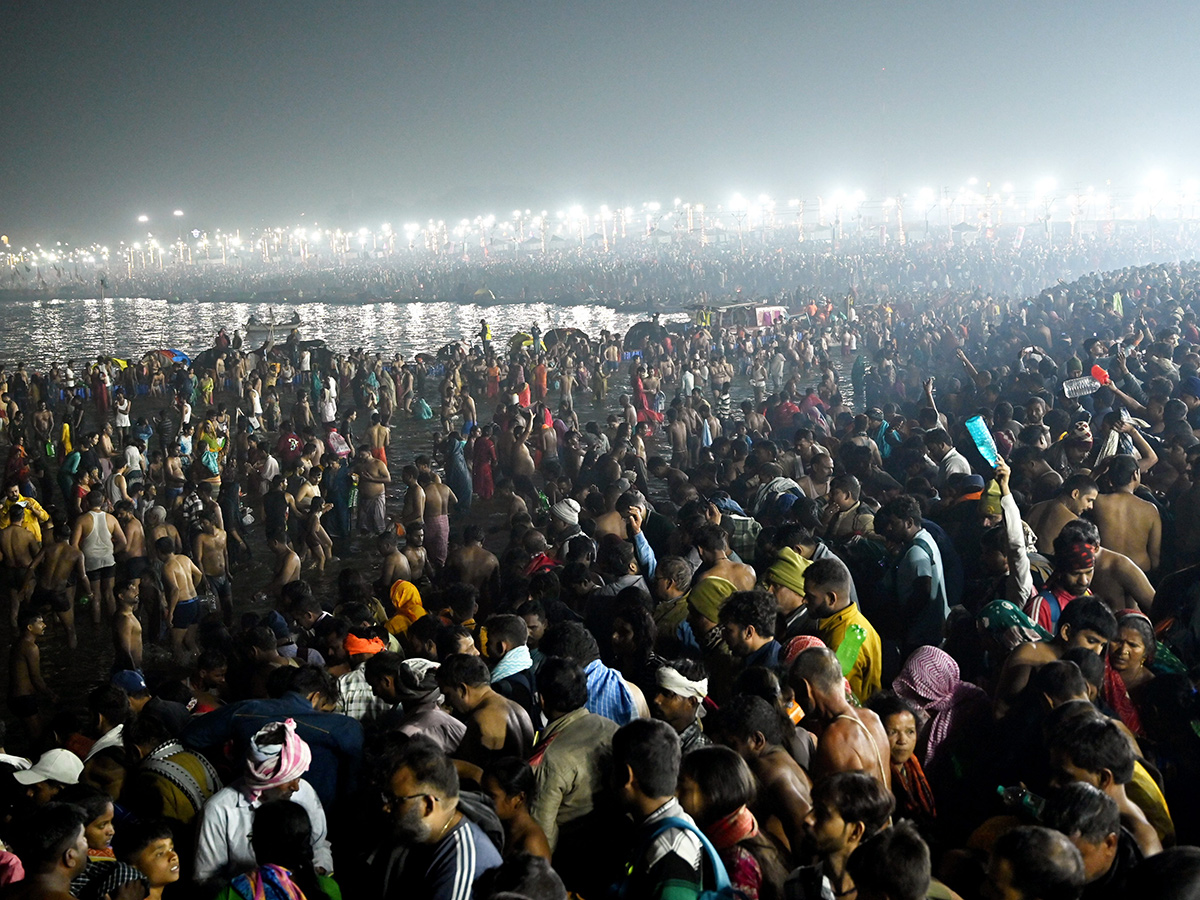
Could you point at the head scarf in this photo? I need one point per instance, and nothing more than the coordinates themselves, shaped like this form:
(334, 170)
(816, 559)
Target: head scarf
(930, 679)
(788, 570)
(798, 645)
(709, 595)
(406, 606)
(1009, 625)
(1075, 556)
(276, 756)
(669, 679)
(566, 511)
(416, 684)
(357, 646)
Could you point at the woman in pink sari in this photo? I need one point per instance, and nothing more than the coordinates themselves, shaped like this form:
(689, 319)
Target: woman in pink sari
(482, 460)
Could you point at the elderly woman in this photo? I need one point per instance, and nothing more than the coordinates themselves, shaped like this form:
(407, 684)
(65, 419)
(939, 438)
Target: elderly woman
(914, 797)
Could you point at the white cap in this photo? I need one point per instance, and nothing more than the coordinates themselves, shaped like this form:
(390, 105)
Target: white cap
(58, 765)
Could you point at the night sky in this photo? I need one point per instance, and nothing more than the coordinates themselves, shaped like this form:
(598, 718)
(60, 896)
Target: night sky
(252, 112)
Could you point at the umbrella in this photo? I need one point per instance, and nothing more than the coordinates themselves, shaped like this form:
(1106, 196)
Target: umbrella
(555, 335)
(641, 331)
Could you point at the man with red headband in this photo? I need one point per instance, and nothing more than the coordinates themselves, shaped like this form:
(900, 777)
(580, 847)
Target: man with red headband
(1074, 568)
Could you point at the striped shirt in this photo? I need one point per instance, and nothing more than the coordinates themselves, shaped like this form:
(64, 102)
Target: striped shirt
(458, 860)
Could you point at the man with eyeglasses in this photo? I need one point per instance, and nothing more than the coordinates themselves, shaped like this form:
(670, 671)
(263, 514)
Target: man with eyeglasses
(439, 851)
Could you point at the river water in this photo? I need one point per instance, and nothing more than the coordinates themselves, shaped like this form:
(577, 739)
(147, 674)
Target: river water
(41, 331)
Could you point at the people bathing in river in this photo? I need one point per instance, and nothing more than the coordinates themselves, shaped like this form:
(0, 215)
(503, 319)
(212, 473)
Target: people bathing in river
(851, 606)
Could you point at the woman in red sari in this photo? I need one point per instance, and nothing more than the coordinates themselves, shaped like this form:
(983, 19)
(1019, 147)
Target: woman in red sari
(483, 459)
(645, 412)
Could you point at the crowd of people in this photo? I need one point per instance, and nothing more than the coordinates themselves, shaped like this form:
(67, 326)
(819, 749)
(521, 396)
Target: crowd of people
(637, 272)
(890, 599)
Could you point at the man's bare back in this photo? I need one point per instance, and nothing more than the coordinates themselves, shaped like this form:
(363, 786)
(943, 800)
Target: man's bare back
(1120, 583)
(860, 745)
(1131, 526)
(1047, 520)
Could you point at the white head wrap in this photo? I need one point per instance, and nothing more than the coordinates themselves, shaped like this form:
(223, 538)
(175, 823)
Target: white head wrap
(670, 680)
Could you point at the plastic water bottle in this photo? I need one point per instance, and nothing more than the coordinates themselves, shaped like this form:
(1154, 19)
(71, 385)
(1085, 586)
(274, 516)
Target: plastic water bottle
(1088, 384)
(1080, 387)
(1019, 799)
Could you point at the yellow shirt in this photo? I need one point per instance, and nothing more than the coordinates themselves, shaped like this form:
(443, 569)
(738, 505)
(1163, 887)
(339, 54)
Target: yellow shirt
(866, 675)
(32, 521)
(1144, 793)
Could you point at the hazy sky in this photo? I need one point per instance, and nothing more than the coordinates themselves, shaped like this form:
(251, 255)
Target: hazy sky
(253, 112)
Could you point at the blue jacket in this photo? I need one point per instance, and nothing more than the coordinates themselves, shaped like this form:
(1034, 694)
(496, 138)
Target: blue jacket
(336, 740)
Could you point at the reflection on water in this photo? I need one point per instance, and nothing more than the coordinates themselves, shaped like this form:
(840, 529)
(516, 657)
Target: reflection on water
(39, 332)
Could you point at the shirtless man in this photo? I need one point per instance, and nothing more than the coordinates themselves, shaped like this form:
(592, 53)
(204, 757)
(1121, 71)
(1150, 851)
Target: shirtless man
(126, 629)
(287, 564)
(373, 479)
(210, 550)
(181, 581)
(1115, 578)
(18, 548)
(496, 726)
(43, 424)
(750, 726)
(439, 503)
(511, 502)
(610, 521)
(156, 520)
(174, 477)
(713, 546)
(316, 538)
(395, 564)
(98, 534)
(135, 558)
(521, 465)
(378, 436)
(1076, 496)
(59, 571)
(1128, 524)
(1085, 622)
(848, 739)
(415, 553)
(414, 497)
(25, 682)
(677, 437)
(473, 565)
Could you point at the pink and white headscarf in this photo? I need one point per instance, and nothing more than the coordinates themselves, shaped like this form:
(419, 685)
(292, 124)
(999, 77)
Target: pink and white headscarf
(930, 679)
(276, 756)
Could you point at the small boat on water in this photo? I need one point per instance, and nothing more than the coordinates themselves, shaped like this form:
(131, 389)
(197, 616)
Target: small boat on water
(257, 332)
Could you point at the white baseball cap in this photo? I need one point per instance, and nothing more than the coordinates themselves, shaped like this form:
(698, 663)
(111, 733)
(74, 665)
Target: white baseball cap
(58, 765)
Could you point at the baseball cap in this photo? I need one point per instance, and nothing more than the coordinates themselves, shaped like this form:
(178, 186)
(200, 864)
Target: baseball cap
(58, 765)
(130, 681)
